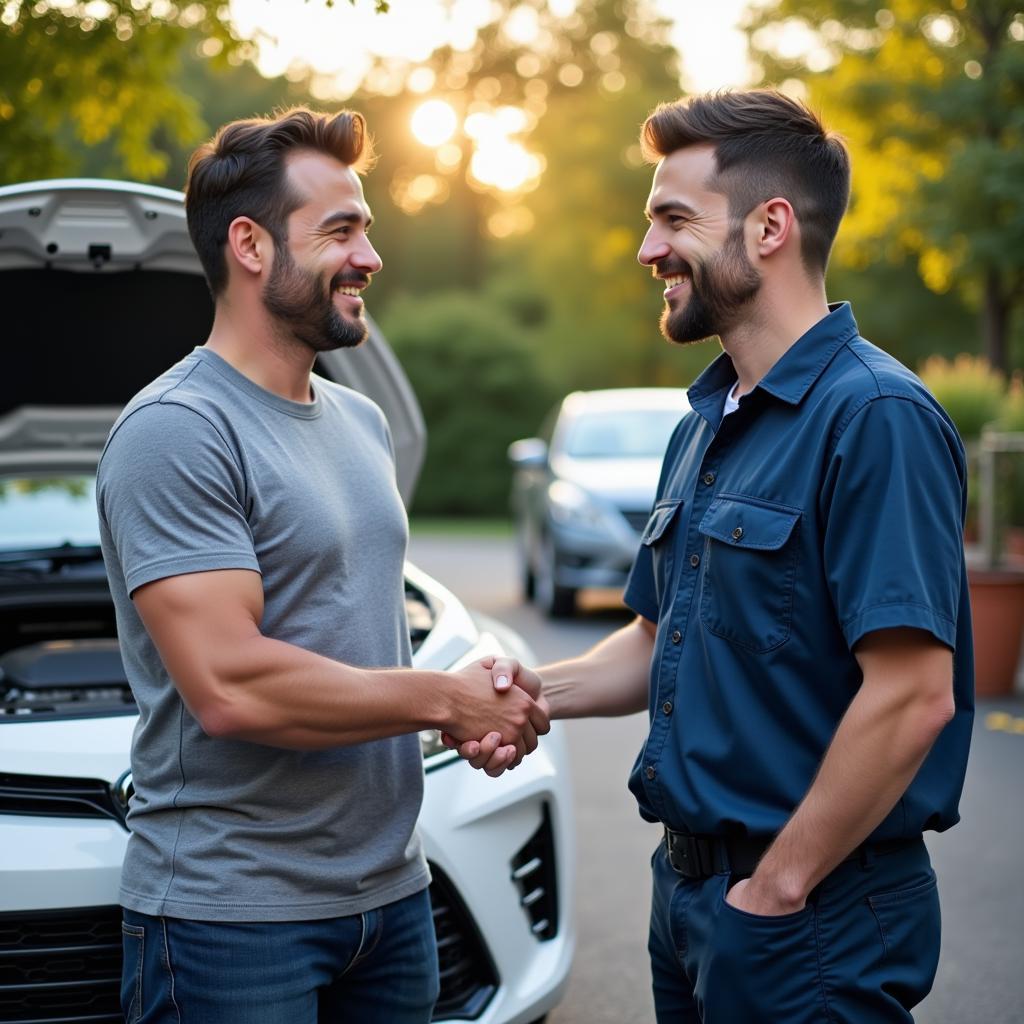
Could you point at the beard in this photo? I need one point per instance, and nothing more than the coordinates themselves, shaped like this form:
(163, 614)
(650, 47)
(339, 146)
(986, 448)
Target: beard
(295, 297)
(720, 289)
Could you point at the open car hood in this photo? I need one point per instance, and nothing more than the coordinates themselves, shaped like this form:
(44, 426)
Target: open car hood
(102, 291)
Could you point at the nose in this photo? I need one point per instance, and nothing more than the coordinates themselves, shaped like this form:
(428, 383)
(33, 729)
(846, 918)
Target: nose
(366, 258)
(652, 248)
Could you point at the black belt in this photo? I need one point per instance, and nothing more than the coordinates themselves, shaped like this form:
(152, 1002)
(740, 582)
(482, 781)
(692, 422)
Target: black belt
(696, 857)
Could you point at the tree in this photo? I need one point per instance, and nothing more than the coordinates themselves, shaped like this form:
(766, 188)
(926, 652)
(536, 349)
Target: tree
(104, 73)
(931, 99)
(564, 243)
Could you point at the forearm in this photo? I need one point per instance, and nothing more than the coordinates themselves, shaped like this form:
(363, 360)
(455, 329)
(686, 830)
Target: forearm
(610, 679)
(240, 684)
(877, 750)
(268, 691)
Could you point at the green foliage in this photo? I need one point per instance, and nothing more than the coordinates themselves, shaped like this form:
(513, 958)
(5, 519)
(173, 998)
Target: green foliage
(897, 312)
(930, 97)
(594, 308)
(1011, 417)
(73, 77)
(101, 87)
(968, 389)
(471, 367)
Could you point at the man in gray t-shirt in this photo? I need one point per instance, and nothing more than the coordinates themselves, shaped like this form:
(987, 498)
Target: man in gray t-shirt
(254, 539)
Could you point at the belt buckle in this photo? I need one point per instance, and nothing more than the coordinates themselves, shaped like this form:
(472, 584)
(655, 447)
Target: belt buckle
(691, 856)
(683, 855)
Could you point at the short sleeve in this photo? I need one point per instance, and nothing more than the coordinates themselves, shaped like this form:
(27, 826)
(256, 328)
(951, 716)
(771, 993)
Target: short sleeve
(640, 595)
(171, 497)
(893, 530)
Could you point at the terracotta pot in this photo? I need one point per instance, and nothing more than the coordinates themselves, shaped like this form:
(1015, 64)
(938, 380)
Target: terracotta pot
(997, 612)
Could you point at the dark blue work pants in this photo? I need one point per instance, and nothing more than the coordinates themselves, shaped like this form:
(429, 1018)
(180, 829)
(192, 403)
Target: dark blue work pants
(863, 951)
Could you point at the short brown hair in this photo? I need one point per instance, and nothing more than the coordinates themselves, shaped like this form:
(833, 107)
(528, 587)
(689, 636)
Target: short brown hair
(766, 145)
(240, 172)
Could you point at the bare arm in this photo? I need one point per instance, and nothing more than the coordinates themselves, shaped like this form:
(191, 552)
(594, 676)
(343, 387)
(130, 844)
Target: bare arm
(241, 684)
(903, 704)
(611, 679)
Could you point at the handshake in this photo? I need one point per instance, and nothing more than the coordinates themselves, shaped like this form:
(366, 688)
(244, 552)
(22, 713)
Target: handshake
(507, 717)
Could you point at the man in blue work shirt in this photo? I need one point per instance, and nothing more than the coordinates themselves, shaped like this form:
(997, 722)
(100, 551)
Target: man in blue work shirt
(802, 640)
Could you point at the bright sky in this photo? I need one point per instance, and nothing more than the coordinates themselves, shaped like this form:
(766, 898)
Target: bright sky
(340, 41)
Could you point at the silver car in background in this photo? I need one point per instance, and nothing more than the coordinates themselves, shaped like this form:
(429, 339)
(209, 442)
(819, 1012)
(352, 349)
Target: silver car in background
(583, 490)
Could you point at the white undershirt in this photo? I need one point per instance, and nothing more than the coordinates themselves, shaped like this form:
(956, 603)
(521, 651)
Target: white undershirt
(732, 402)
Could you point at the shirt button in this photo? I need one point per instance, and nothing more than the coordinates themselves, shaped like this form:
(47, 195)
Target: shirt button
(667, 707)
(709, 478)
(676, 636)
(695, 560)
(650, 772)
(737, 533)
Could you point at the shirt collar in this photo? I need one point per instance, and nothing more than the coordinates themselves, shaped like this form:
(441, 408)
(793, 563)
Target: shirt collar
(793, 373)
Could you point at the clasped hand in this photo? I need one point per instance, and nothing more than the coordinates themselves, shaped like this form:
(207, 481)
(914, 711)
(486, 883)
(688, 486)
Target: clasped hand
(494, 753)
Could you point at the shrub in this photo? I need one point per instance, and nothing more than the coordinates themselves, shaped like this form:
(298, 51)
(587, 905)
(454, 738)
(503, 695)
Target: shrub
(968, 388)
(480, 389)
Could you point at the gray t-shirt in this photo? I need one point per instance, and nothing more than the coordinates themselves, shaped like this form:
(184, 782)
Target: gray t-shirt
(206, 470)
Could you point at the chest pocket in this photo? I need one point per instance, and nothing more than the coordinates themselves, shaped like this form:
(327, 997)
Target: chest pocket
(658, 536)
(750, 564)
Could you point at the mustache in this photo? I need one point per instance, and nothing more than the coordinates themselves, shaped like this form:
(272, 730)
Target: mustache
(668, 268)
(346, 278)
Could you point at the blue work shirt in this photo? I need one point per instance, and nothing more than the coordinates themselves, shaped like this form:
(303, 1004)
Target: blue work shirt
(828, 505)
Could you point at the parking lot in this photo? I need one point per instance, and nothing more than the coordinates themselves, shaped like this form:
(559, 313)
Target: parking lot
(978, 862)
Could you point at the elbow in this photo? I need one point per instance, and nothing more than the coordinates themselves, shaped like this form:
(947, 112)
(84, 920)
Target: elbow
(219, 721)
(941, 711)
(220, 714)
(933, 712)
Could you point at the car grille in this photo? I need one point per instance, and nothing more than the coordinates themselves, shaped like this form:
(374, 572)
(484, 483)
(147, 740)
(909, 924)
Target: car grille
(64, 966)
(638, 520)
(468, 975)
(55, 797)
(61, 966)
(533, 871)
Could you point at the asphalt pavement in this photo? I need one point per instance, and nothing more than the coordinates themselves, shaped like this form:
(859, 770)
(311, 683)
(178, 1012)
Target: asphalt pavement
(979, 862)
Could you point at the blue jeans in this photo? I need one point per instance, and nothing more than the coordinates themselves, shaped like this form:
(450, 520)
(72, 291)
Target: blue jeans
(863, 951)
(374, 968)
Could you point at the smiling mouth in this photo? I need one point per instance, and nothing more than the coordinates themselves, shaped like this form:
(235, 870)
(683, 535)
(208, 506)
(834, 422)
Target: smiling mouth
(348, 289)
(672, 282)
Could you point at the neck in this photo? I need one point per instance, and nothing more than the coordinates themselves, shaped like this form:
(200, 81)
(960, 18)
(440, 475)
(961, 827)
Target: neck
(771, 327)
(255, 346)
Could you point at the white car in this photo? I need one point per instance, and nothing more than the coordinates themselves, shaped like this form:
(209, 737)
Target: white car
(102, 291)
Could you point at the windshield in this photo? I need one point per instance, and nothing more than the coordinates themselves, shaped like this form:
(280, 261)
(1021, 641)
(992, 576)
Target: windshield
(621, 434)
(38, 511)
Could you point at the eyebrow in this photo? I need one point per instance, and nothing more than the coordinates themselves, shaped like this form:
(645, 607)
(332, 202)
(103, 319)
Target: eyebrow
(667, 207)
(344, 217)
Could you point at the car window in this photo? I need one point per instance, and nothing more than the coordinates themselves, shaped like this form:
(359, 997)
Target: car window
(621, 434)
(47, 511)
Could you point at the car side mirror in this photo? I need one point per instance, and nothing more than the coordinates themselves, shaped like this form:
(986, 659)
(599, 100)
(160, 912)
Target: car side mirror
(529, 453)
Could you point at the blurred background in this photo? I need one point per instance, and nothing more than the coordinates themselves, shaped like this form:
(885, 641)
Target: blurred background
(510, 187)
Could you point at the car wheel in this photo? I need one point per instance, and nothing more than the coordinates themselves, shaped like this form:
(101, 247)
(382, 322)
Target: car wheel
(527, 580)
(529, 583)
(552, 599)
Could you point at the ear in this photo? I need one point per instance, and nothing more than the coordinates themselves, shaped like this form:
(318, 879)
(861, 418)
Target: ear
(249, 245)
(776, 221)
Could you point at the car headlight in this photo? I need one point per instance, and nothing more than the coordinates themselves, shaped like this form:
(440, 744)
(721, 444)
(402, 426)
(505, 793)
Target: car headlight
(571, 506)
